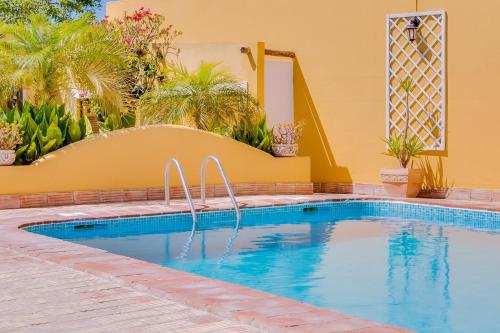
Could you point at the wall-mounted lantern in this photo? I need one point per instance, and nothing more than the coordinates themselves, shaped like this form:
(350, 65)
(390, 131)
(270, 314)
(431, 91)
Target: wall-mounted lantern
(412, 28)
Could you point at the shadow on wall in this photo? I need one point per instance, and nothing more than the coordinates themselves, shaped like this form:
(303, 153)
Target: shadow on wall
(435, 184)
(314, 142)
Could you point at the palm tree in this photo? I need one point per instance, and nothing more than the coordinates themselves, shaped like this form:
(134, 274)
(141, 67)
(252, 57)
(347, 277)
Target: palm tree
(52, 61)
(208, 99)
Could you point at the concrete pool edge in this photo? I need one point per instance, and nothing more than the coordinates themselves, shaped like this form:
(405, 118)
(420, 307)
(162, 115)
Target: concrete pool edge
(262, 310)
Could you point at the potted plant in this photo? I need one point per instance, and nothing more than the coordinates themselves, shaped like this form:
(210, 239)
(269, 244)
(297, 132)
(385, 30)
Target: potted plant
(10, 137)
(286, 137)
(403, 181)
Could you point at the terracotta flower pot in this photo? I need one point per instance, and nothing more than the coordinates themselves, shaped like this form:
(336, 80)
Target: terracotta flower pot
(286, 150)
(402, 182)
(7, 157)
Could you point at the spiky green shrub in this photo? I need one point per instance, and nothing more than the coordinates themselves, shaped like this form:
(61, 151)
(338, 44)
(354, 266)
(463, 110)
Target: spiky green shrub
(208, 98)
(45, 128)
(254, 132)
(113, 122)
(403, 150)
(405, 147)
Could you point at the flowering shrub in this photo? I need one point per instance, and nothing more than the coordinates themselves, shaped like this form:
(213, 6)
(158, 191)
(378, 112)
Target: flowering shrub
(287, 134)
(10, 135)
(150, 42)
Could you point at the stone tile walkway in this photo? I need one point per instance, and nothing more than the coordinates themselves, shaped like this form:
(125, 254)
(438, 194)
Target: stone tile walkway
(40, 296)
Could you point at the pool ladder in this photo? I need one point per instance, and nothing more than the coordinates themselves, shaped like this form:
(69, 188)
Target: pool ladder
(189, 199)
(204, 165)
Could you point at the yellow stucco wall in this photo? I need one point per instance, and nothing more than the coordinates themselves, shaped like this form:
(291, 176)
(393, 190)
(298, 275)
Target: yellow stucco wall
(135, 158)
(340, 76)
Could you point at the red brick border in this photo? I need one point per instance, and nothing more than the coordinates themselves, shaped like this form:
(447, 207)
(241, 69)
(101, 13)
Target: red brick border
(141, 194)
(487, 195)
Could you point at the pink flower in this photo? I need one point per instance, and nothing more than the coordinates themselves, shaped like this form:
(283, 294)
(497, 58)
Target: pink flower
(128, 40)
(119, 22)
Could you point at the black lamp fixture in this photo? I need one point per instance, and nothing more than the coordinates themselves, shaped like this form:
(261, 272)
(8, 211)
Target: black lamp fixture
(412, 28)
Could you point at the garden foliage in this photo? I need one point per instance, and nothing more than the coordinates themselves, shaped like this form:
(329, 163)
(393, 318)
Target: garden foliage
(44, 129)
(254, 132)
(150, 42)
(20, 10)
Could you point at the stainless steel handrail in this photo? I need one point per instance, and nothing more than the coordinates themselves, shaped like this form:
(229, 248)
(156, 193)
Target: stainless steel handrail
(229, 244)
(224, 178)
(187, 246)
(184, 185)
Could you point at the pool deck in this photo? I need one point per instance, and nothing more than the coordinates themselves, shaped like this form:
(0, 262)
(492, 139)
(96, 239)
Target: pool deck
(49, 285)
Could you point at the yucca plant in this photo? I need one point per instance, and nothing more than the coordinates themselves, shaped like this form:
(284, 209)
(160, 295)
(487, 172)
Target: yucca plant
(404, 147)
(52, 61)
(404, 151)
(208, 99)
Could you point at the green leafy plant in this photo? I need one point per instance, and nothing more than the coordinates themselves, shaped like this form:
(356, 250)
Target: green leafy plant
(10, 135)
(20, 10)
(405, 147)
(150, 41)
(44, 129)
(52, 61)
(113, 122)
(254, 132)
(208, 99)
(404, 151)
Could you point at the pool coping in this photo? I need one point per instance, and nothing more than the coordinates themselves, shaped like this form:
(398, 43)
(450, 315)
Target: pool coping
(259, 309)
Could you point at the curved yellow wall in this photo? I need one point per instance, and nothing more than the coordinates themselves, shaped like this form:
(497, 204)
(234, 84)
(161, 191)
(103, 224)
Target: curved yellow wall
(135, 158)
(340, 76)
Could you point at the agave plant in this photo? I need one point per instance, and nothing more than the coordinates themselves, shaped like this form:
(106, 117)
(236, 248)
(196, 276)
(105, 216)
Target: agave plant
(207, 99)
(51, 61)
(44, 129)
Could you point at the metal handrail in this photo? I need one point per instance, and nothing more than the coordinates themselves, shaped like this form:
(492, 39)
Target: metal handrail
(229, 244)
(184, 185)
(187, 246)
(224, 178)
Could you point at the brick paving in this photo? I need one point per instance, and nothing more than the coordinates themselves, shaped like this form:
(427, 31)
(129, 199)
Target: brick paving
(49, 285)
(40, 296)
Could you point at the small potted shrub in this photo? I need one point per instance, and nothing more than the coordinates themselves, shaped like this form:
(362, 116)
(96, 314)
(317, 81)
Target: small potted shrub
(286, 137)
(10, 137)
(403, 181)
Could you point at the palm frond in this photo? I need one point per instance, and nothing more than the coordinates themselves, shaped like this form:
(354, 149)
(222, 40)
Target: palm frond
(55, 59)
(207, 98)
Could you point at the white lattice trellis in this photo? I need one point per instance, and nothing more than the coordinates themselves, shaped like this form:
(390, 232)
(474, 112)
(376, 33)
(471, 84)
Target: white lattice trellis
(424, 61)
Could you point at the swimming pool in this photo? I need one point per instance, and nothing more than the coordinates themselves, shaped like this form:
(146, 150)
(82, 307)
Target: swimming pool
(425, 268)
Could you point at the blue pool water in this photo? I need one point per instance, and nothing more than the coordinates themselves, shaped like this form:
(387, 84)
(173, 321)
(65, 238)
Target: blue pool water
(428, 269)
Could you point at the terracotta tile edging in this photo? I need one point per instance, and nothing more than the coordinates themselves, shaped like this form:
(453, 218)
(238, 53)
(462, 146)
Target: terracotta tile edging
(50, 199)
(259, 309)
(486, 195)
